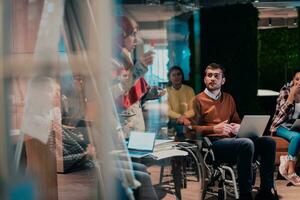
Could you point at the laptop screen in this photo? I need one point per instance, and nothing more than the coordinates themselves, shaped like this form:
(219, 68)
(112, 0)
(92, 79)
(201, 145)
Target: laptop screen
(141, 141)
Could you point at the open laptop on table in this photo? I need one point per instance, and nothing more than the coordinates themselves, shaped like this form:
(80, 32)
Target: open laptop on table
(141, 144)
(253, 125)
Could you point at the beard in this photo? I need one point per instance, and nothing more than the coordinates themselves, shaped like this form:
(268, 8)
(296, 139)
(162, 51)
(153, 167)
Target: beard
(213, 87)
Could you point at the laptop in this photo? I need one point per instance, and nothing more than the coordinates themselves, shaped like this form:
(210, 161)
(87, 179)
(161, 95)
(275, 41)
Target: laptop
(253, 125)
(141, 144)
(292, 126)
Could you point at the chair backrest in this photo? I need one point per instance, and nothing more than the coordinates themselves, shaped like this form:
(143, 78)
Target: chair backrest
(267, 106)
(267, 130)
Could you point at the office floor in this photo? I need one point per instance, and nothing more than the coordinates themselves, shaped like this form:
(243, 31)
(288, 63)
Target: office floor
(81, 185)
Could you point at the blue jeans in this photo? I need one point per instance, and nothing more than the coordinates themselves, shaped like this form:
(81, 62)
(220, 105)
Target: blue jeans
(242, 152)
(293, 137)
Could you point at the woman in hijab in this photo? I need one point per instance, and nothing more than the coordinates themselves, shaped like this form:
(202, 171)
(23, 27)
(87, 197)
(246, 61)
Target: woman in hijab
(129, 84)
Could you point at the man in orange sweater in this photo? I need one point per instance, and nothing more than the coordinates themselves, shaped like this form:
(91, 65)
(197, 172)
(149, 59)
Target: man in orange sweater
(217, 118)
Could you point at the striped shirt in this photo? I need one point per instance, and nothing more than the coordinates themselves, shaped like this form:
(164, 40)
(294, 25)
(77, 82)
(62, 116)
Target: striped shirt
(284, 109)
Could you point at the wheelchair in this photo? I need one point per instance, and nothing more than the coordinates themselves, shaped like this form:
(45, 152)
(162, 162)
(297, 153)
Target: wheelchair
(215, 178)
(218, 179)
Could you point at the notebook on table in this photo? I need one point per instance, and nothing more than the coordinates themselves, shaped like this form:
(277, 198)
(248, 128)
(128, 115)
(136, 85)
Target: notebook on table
(292, 126)
(141, 144)
(253, 125)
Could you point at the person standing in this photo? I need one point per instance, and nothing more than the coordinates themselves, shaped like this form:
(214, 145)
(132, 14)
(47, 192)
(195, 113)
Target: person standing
(129, 85)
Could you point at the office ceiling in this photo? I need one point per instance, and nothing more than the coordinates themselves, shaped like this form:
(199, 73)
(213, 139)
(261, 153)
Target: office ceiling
(152, 17)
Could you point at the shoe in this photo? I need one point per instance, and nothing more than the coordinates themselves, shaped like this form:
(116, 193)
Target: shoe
(293, 178)
(266, 195)
(283, 165)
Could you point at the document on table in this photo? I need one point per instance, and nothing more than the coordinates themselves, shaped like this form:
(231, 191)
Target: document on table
(168, 153)
(159, 142)
(166, 149)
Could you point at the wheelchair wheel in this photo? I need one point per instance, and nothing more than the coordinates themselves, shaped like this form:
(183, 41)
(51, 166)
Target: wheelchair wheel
(203, 178)
(230, 190)
(196, 163)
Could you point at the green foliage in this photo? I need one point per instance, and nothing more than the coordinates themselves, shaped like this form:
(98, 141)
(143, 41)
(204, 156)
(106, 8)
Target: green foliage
(254, 59)
(278, 56)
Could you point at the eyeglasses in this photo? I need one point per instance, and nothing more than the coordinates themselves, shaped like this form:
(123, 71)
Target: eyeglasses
(216, 75)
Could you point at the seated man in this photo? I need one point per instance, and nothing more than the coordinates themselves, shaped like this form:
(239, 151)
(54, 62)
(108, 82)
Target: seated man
(217, 118)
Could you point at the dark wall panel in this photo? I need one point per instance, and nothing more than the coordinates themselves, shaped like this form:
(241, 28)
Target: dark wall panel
(228, 36)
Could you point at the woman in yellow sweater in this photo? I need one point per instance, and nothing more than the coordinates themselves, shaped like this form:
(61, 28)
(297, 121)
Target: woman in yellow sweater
(180, 96)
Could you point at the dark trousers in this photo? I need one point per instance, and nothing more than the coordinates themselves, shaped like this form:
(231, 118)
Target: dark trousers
(179, 129)
(242, 152)
(146, 191)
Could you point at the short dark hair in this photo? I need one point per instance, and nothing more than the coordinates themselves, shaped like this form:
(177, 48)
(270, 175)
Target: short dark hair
(216, 66)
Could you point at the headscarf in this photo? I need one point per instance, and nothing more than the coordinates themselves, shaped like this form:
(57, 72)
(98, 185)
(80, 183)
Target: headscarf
(141, 87)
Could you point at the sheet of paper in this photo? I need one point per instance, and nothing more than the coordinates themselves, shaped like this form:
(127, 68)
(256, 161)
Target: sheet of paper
(169, 153)
(159, 142)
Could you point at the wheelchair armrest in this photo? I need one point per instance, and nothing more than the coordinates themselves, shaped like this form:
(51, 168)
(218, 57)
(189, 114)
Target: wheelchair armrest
(209, 156)
(207, 143)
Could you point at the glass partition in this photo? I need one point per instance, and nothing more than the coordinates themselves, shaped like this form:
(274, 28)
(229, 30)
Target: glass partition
(79, 78)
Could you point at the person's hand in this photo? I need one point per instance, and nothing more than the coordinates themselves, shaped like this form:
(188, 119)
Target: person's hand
(223, 128)
(90, 150)
(183, 120)
(147, 58)
(159, 92)
(294, 90)
(235, 128)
